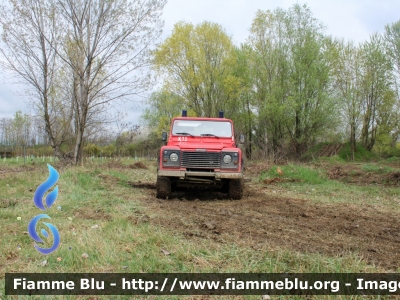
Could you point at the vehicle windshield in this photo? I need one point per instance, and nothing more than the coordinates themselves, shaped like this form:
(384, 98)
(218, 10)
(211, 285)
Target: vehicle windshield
(202, 128)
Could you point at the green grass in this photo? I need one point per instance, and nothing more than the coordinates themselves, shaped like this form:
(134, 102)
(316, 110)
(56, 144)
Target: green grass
(335, 159)
(377, 169)
(339, 192)
(344, 155)
(303, 174)
(360, 155)
(125, 242)
(393, 159)
(311, 182)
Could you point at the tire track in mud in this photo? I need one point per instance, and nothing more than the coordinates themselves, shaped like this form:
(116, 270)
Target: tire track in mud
(264, 221)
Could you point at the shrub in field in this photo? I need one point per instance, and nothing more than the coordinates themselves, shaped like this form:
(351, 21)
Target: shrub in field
(108, 150)
(91, 149)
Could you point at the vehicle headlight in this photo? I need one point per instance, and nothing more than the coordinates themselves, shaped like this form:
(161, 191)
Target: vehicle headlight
(173, 157)
(227, 159)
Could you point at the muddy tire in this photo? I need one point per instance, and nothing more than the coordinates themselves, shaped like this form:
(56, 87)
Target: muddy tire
(163, 187)
(235, 189)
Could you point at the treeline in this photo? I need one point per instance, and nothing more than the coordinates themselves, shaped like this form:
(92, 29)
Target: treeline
(287, 88)
(26, 135)
(30, 130)
(22, 130)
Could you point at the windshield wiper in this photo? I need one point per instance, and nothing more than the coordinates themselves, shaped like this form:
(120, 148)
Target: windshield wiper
(183, 133)
(209, 134)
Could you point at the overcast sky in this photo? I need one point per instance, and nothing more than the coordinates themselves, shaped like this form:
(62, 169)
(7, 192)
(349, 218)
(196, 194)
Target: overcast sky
(349, 19)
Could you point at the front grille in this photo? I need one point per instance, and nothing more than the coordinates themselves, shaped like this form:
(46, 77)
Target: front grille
(201, 160)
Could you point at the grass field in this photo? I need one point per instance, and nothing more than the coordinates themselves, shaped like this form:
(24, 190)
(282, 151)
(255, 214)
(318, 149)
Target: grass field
(109, 220)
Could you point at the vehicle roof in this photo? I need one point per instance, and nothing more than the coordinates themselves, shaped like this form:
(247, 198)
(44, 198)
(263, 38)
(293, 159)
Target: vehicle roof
(202, 119)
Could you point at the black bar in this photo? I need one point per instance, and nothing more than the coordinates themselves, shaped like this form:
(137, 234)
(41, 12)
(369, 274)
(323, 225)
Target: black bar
(228, 284)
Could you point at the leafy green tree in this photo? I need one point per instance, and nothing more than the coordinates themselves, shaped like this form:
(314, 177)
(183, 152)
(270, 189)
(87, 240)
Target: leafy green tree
(363, 81)
(291, 78)
(347, 78)
(387, 123)
(197, 62)
(163, 106)
(377, 90)
(309, 78)
(392, 39)
(269, 69)
(241, 107)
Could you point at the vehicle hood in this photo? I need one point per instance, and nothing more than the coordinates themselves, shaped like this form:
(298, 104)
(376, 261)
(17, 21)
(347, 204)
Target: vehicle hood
(206, 143)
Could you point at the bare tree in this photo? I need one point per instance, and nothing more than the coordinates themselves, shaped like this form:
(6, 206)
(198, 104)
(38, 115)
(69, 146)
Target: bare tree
(30, 36)
(3, 130)
(107, 48)
(101, 55)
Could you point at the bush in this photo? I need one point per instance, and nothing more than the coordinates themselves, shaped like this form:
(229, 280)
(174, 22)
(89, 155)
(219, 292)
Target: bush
(108, 150)
(91, 149)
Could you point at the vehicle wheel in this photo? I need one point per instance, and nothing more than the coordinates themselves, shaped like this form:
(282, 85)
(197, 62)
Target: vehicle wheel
(225, 186)
(173, 187)
(163, 187)
(235, 189)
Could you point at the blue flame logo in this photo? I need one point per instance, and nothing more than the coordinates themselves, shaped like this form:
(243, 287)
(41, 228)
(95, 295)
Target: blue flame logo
(50, 199)
(44, 187)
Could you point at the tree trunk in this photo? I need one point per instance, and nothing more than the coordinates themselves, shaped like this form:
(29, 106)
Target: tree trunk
(78, 147)
(353, 139)
(249, 147)
(297, 135)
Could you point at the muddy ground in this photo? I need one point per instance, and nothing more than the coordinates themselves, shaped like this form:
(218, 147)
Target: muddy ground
(265, 221)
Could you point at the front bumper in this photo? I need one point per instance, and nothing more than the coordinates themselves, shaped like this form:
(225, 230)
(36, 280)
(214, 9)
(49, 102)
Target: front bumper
(188, 174)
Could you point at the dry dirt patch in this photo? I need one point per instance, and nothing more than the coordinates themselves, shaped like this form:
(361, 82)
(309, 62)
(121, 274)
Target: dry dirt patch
(138, 165)
(119, 165)
(92, 214)
(354, 174)
(4, 172)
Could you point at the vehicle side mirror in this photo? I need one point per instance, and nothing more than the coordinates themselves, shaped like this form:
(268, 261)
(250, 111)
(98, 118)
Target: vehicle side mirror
(164, 136)
(241, 139)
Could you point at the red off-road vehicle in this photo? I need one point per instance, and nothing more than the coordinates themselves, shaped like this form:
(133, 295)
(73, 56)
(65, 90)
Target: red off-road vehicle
(200, 152)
